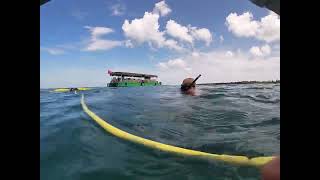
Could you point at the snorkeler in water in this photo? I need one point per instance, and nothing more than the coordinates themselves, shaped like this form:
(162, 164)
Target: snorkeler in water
(74, 90)
(188, 85)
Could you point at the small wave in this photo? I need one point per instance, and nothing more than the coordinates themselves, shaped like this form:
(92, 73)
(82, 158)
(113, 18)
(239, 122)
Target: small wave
(273, 121)
(232, 147)
(259, 88)
(222, 119)
(212, 96)
(260, 99)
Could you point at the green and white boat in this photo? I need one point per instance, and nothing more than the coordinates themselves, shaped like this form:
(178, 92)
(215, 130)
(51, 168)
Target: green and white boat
(127, 79)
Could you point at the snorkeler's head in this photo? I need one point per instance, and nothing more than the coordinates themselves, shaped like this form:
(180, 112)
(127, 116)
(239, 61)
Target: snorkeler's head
(188, 86)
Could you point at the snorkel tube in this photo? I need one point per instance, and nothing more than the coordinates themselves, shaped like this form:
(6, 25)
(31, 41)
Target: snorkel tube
(194, 81)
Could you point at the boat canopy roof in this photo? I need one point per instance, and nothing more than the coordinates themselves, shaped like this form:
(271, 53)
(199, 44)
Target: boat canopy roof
(273, 5)
(128, 74)
(43, 2)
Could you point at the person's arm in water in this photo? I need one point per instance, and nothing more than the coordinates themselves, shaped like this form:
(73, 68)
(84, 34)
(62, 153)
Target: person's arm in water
(271, 171)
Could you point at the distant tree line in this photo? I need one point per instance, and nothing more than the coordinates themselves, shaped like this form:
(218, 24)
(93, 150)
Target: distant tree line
(244, 82)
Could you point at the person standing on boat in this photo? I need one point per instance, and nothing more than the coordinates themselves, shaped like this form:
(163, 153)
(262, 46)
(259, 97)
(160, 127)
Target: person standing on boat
(188, 86)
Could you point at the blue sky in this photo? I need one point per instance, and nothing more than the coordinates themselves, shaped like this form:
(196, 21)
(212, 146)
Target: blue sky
(222, 40)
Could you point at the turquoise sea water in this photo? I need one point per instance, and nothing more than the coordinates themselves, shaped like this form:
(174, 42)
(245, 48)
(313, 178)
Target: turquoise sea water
(227, 119)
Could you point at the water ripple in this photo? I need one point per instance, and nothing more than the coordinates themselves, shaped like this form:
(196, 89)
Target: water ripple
(235, 119)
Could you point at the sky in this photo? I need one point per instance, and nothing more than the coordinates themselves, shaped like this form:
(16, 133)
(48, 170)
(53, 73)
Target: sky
(230, 40)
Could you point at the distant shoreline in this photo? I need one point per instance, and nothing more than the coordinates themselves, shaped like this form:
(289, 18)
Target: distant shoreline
(223, 83)
(244, 82)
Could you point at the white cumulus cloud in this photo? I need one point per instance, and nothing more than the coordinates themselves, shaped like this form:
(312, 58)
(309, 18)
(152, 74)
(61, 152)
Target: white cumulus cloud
(188, 33)
(161, 8)
(128, 44)
(172, 44)
(97, 43)
(219, 66)
(260, 51)
(178, 31)
(177, 64)
(267, 29)
(202, 34)
(145, 29)
(242, 25)
(97, 32)
(102, 45)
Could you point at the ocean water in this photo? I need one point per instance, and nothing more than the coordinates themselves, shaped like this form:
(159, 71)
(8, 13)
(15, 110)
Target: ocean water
(227, 119)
